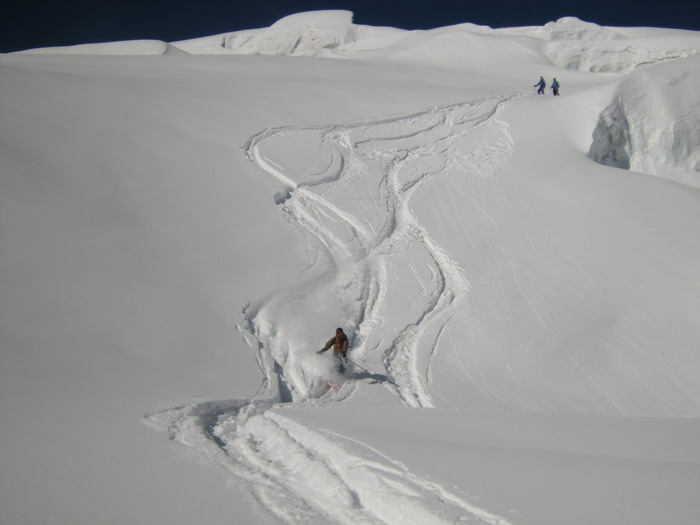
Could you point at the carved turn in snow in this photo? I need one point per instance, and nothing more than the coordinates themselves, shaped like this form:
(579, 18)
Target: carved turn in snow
(346, 191)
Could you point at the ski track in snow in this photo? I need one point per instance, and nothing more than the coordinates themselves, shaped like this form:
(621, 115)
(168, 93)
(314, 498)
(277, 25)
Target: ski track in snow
(346, 190)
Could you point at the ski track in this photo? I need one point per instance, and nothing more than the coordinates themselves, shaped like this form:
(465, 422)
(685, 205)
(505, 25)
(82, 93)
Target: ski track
(346, 189)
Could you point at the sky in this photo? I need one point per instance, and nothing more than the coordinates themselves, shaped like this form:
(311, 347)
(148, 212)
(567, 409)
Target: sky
(43, 23)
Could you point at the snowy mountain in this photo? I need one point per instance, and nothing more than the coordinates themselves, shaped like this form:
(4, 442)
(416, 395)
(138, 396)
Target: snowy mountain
(183, 226)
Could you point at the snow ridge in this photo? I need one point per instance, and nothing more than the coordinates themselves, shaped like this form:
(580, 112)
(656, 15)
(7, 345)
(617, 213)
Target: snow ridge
(346, 190)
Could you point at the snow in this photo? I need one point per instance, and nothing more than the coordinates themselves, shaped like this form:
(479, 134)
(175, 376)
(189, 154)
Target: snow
(183, 225)
(664, 142)
(129, 47)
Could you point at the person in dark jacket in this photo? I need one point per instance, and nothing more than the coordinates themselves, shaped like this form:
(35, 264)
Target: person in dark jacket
(555, 87)
(540, 86)
(340, 344)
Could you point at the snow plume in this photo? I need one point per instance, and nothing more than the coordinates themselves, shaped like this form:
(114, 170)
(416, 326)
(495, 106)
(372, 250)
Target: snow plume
(651, 126)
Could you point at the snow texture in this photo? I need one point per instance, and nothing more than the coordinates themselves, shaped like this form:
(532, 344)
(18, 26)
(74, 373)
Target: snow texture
(181, 234)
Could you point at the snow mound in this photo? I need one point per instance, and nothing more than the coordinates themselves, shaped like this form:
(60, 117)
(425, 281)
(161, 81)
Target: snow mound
(651, 124)
(306, 34)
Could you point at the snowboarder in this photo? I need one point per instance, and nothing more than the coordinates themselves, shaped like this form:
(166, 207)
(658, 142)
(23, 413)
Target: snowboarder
(540, 86)
(340, 348)
(555, 87)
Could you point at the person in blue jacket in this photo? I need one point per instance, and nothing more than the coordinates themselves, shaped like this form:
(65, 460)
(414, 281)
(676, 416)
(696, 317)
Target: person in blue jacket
(540, 86)
(555, 87)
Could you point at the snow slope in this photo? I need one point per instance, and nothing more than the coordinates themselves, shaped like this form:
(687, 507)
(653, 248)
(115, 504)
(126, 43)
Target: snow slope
(180, 233)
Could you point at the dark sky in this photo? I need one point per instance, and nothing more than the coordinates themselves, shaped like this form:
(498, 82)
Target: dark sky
(26, 24)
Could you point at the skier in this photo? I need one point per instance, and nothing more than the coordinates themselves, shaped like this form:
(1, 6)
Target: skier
(540, 86)
(340, 348)
(555, 87)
